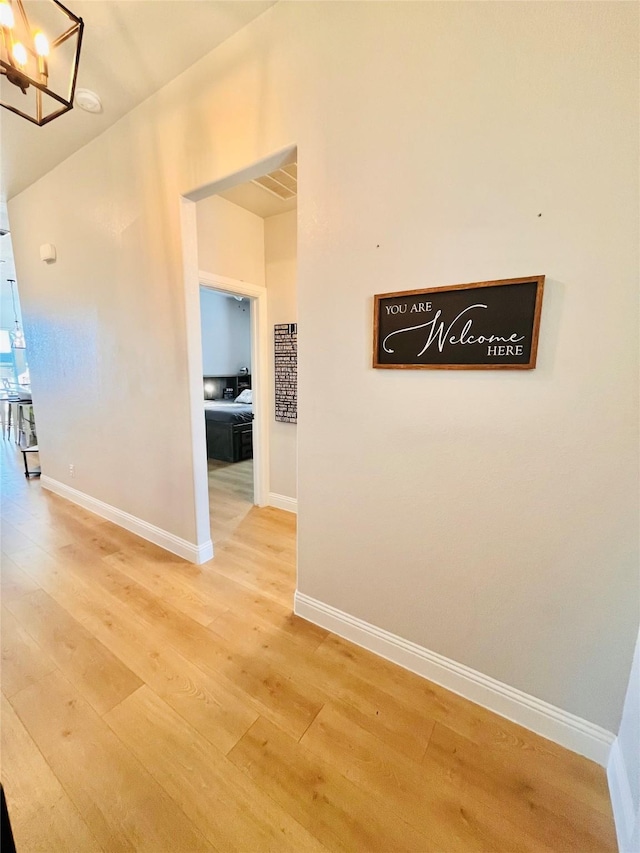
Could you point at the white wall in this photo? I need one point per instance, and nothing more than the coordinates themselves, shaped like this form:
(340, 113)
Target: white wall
(489, 516)
(230, 240)
(226, 333)
(629, 734)
(280, 265)
(624, 765)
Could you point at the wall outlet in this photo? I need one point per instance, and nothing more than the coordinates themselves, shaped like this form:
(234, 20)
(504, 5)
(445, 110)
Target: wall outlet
(72, 470)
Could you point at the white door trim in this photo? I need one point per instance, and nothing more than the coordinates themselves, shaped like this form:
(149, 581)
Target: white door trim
(199, 474)
(259, 373)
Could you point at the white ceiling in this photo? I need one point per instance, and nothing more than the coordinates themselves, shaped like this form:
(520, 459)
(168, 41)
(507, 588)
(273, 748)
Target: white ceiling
(131, 48)
(254, 197)
(257, 200)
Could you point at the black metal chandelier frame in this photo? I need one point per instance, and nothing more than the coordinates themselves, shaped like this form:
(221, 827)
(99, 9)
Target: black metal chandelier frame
(20, 78)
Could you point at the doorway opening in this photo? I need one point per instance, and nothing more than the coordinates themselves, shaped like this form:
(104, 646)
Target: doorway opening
(229, 350)
(239, 241)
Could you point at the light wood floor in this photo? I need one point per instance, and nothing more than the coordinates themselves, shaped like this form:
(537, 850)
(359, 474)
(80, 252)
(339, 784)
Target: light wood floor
(148, 704)
(230, 496)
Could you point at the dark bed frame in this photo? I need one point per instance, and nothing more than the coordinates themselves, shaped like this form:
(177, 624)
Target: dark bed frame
(228, 442)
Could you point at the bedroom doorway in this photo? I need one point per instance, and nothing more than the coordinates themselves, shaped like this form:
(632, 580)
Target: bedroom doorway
(239, 237)
(229, 352)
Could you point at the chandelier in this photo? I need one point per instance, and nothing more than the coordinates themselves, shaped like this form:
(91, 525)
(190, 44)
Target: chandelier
(39, 56)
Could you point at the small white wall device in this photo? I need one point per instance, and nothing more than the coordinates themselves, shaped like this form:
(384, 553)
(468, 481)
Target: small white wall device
(48, 253)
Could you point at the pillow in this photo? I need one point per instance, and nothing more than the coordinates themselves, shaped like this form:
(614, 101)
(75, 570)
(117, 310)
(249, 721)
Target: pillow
(245, 396)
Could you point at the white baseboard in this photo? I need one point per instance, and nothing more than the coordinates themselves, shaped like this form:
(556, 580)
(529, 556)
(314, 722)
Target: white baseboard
(188, 550)
(552, 723)
(283, 502)
(621, 798)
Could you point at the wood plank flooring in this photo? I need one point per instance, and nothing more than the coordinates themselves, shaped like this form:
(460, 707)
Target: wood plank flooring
(149, 704)
(230, 496)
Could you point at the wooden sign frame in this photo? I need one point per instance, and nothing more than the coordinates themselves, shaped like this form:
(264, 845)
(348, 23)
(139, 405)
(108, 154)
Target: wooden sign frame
(501, 341)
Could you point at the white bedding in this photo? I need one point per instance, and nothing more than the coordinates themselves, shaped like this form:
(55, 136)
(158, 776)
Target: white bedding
(228, 405)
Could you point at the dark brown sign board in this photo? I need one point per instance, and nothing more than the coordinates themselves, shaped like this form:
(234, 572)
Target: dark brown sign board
(487, 325)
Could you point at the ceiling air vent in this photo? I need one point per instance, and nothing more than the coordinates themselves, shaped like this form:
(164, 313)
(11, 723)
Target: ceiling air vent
(282, 183)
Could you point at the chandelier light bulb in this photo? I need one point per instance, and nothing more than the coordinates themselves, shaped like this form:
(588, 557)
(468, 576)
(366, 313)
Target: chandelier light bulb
(20, 53)
(41, 44)
(6, 15)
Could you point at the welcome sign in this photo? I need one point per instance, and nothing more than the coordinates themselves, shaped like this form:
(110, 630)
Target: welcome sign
(481, 326)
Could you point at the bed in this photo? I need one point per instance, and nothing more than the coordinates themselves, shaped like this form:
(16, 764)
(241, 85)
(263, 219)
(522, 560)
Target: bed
(229, 428)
